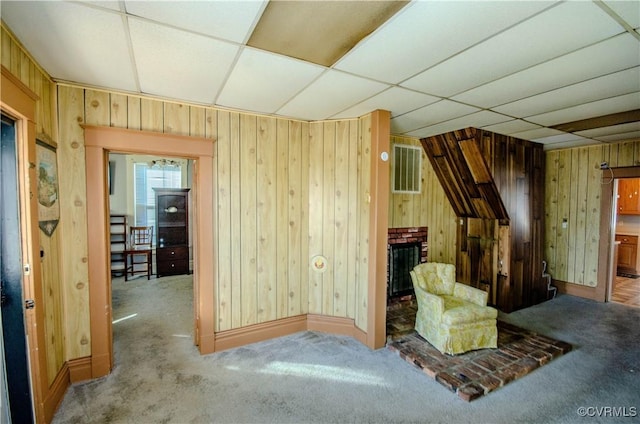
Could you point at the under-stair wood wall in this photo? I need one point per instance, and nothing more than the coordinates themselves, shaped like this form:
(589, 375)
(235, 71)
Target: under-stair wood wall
(500, 240)
(430, 208)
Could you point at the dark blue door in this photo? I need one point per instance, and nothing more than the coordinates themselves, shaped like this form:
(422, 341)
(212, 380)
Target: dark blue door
(13, 328)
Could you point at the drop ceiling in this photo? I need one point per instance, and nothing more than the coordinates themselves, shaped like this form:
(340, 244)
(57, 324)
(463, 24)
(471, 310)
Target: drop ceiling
(528, 69)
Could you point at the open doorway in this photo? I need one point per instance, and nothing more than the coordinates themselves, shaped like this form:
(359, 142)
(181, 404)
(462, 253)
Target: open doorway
(624, 287)
(159, 273)
(99, 142)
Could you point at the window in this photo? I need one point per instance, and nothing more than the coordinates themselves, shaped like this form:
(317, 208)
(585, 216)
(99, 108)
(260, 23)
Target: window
(407, 166)
(147, 175)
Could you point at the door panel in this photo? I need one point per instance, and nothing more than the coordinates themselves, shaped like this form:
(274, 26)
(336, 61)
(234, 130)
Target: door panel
(13, 324)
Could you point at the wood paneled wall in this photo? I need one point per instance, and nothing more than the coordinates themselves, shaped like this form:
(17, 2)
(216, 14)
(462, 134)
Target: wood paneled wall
(430, 208)
(19, 63)
(573, 190)
(285, 191)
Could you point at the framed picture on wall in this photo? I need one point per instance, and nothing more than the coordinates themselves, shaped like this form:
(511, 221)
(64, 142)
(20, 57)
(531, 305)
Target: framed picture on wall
(47, 174)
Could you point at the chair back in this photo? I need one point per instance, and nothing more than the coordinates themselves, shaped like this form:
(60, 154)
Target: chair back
(436, 278)
(141, 236)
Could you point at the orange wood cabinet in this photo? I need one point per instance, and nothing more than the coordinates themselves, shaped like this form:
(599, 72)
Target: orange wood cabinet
(629, 196)
(627, 253)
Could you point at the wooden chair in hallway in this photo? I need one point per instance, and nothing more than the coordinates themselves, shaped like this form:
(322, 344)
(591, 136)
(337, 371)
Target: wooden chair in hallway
(138, 254)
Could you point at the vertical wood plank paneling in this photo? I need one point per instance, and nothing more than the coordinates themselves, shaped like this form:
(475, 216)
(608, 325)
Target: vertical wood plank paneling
(176, 118)
(54, 306)
(266, 209)
(564, 201)
(592, 239)
(97, 109)
(73, 222)
(316, 208)
(248, 227)
(354, 219)
(151, 115)
(305, 217)
(579, 220)
(626, 153)
(328, 211)
(551, 211)
(364, 200)
(236, 220)
(197, 122)
(119, 110)
(134, 113)
(5, 51)
(341, 219)
(282, 217)
(295, 260)
(224, 225)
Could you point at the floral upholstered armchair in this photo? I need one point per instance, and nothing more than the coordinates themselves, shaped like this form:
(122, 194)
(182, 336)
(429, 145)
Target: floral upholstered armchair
(452, 316)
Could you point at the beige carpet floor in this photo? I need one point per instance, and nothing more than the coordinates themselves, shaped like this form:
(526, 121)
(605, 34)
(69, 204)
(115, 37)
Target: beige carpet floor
(309, 377)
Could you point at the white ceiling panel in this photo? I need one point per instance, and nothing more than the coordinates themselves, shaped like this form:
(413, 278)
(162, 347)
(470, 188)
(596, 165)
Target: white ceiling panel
(478, 120)
(566, 144)
(264, 81)
(228, 20)
(629, 10)
(435, 113)
(421, 35)
(511, 127)
(397, 100)
(178, 64)
(512, 67)
(339, 92)
(77, 43)
(630, 136)
(616, 84)
(607, 131)
(537, 133)
(107, 4)
(589, 110)
(614, 54)
(555, 32)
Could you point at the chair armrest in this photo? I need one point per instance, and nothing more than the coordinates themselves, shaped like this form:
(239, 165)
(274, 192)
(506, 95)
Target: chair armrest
(470, 294)
(430, 301)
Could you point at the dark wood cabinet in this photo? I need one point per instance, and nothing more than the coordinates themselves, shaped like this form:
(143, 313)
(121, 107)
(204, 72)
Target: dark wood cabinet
(172, 235)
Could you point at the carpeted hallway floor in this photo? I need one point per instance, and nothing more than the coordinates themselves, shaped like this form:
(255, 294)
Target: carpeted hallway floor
(159, 376)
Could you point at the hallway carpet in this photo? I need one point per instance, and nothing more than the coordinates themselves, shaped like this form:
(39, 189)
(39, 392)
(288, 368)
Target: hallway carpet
(309, 377)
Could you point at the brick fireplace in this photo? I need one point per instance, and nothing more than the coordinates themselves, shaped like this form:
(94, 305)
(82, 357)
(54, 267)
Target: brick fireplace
(406, 247)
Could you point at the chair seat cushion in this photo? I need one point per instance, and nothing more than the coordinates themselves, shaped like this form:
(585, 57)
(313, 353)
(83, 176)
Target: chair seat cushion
(458, 311)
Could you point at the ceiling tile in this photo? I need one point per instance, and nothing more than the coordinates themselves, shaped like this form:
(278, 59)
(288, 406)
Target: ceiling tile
(630, 136)
(396, 100)
(555, 32)
(611, 130)
(435, 113)
(338, 92)
(511, 127)
(616, 84)
(629, 10)
(565, 144)
(614, 54)
(421, 35)
(107, 4)
(263, 81)
(537, 133)
(228, 20)
(478, 120)
(79, 43)
(177, 64)
(589, 110)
